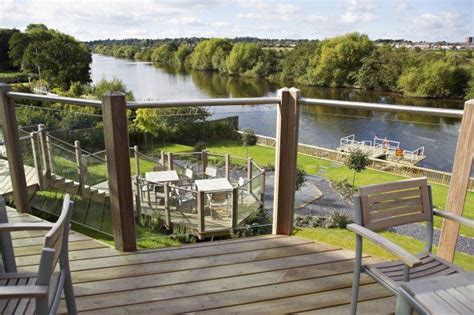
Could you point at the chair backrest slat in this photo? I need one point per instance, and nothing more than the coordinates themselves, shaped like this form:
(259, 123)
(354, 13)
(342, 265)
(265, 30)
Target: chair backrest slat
(395, 203)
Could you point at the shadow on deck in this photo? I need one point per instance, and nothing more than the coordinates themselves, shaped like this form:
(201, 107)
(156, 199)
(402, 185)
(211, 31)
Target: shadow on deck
(266, 274)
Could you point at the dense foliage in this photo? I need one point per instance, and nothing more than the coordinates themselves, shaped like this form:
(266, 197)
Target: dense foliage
(351, 60)
(54, 57)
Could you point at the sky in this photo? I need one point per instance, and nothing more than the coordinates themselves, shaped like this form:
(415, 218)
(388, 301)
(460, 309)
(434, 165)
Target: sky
(428, 20)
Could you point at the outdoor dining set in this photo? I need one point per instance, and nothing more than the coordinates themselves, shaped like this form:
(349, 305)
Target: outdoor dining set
(183, 188)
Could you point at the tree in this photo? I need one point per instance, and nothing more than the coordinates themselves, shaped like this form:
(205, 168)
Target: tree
(56, 57)
(163, 55)
(248, 139)
(243, 57)
(182, 54)
(300, 178)
(358, 161)
(5, 36)
(435, 79)
(338, 60)
(211, 54)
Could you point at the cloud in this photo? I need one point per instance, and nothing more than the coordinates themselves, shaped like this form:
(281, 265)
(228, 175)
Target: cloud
(443, 25)
(359, 11)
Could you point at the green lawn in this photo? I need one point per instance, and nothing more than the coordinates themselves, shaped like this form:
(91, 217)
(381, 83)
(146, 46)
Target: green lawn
(265, 155)
(346, 239)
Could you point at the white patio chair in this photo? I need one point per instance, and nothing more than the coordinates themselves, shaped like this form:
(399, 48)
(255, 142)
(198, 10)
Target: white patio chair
(38, 292)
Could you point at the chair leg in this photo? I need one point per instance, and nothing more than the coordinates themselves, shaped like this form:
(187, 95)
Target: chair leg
(403, 307)
(69, 294)
(357, 269)
(42, 306)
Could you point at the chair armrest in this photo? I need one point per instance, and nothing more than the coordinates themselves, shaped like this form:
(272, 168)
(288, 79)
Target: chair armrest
(12, 227)
(407, 258)
(454, 217)
(23, 291)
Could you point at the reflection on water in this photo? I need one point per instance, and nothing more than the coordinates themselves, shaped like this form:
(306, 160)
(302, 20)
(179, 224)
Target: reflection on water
(322, 126)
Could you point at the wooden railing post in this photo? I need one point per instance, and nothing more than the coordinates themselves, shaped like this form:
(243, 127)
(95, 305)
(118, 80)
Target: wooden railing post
(170, 161)
(12, 146)
(49, 153)
(227, 165)
(118, 165)
(235, 207)
(137, 184)
(462, 167)
(262, 195)
(162, 158)
(285, 160)
(167, 205)
(249, 174)
(38, 165)
(45, 155)
(204, 162)
(79, 165)
(201, 211)
(137, 160)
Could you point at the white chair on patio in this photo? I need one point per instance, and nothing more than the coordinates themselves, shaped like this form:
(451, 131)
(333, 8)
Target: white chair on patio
(38, 292)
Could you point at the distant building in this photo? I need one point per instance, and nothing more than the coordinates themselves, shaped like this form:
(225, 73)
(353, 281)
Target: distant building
(470, 41)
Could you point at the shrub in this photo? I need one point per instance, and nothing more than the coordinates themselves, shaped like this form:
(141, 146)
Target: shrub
(300, 178)
(337, 220)
(344, 188)
(200, 146)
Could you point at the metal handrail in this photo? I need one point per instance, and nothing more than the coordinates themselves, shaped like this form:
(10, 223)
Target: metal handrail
(454, 113)
(52, 98)
(205, 102)
(443, 112)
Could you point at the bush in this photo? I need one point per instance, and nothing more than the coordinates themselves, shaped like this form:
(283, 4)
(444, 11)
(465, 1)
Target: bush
(300, 178)
(334, 220)
(13, 77)
(337, 220)
(200, 146)
(344, 188)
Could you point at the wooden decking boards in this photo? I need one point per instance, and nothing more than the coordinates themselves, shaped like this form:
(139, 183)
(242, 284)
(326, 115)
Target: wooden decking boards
(265, 274)
(5, 180)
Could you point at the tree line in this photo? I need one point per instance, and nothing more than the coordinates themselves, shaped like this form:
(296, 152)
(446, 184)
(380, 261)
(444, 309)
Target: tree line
(351, 60)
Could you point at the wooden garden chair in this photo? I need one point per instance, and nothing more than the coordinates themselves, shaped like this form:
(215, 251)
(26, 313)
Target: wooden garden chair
(378, 207)
(39, 292)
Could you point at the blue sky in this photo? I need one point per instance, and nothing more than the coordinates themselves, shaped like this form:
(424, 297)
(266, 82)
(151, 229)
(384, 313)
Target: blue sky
(450, 20)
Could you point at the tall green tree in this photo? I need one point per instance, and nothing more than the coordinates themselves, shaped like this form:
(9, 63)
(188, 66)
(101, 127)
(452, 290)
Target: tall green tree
(5, 36)
(211, 54)
(339, 59)
(56, 57)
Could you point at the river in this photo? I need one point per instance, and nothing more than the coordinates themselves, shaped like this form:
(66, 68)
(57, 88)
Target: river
(320, 126)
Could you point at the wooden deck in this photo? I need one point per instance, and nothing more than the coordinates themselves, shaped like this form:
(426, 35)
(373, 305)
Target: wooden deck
(6, 183)
(267, 274)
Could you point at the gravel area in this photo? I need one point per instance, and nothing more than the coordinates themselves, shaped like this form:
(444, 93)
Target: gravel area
(331, 201)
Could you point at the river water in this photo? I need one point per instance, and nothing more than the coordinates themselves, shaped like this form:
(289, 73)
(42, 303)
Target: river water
(320, 126)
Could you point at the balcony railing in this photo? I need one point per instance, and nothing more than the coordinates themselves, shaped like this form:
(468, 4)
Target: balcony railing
(287, 102)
